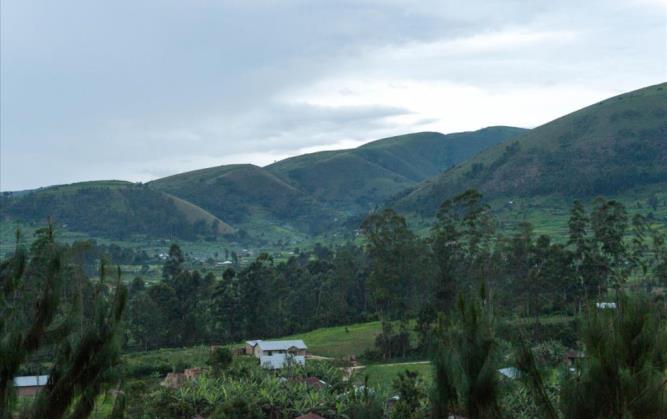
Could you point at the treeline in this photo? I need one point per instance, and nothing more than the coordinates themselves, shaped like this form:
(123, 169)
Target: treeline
(396, 275)
(264, 299)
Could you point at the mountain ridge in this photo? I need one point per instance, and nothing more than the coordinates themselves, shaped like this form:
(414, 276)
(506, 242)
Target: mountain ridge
(604, 148)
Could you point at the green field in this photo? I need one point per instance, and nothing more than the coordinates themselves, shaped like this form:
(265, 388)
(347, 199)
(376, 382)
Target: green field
(340, 341)
(382, 375)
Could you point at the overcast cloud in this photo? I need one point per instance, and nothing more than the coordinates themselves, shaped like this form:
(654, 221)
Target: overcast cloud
(139, 89)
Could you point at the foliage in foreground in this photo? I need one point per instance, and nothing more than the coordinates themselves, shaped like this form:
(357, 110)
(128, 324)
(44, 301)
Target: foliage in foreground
(247, 391)
(39, 308)
(622, 374)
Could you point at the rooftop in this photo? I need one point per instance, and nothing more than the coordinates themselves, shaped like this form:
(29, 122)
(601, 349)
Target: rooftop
(281, 345)
(31, 380)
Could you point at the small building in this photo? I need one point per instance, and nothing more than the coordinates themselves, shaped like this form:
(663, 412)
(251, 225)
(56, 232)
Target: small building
(510, 372)
(275, 354)
(604, 306)
(250, 346)
(29, 385)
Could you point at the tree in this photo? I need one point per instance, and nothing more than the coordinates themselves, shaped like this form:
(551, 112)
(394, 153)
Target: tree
(410, 395)
(465, 363)
(392, 253)
(461, 239)
(256, 298)
(622, 374)
(174, 263)
(219, 359)
(224, 308)
(577, 225)
(609, 221)
(145, 321)
(166, 299)
(85, 361)
(591, 268)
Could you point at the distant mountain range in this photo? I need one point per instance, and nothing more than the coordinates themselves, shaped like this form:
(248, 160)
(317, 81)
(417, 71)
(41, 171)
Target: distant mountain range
(606, 148)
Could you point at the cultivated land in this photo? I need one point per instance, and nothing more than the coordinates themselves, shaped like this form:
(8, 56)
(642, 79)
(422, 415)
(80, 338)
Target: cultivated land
(336, 343)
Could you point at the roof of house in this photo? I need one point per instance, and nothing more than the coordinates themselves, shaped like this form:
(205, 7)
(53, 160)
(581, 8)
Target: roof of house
(510, 372)
(31, 380)
(605, 305)
(281, 345)
(252, 342)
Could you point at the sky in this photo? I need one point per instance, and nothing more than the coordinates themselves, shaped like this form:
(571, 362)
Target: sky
(137, 90)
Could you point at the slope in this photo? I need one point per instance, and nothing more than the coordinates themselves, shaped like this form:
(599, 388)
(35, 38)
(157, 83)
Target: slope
(114, 209)
(610, 148)
(243, 193)
(359, 178)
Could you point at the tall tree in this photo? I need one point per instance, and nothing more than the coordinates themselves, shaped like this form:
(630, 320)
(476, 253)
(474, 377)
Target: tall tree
(392, 255)
(622, 373)
(174, 263)
(461, 238)
(466, 362)
(85, 358)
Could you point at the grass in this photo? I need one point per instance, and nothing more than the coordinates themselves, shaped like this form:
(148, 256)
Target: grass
(382, 375)
(340, 341)
(174, 358)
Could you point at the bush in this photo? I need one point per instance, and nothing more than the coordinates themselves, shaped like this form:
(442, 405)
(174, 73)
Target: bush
(220, 359)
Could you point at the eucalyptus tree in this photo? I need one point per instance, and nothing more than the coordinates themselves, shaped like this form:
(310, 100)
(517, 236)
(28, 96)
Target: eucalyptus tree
(392, 253)
(462, 239)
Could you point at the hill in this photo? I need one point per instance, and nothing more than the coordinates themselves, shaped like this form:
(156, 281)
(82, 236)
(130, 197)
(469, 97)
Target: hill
(609, 148)
(115, 209)
(243, 193)
(360, 178)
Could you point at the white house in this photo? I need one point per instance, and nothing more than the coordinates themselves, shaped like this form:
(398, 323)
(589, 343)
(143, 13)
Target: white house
(274, 354)
(606, 306)
(30, 385)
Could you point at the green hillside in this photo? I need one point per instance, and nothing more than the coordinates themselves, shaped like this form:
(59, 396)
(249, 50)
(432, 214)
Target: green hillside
(308, 194)
(365, 176)
(242, 194)
(114, 209)
(608, 148)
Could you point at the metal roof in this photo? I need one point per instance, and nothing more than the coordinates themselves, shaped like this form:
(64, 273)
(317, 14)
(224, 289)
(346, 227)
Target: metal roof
(510, 372)
(281, 345)
(31, 380)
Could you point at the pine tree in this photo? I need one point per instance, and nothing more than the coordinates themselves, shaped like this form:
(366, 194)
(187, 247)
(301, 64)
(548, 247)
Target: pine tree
(465, 363)
(622, 374)
(86, 358)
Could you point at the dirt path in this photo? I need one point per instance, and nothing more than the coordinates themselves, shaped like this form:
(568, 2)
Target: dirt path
(402, 363)
(318, 358)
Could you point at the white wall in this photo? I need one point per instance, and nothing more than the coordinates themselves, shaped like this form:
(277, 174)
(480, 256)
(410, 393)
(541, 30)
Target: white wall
(277, 361)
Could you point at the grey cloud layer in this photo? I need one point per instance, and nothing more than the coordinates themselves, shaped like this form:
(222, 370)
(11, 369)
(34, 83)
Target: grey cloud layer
(137, 89)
